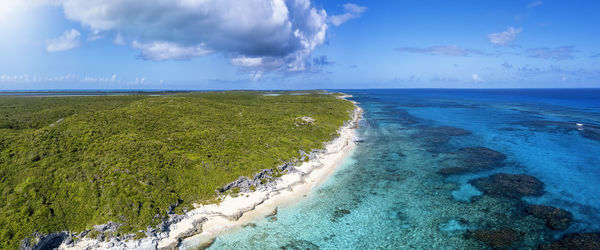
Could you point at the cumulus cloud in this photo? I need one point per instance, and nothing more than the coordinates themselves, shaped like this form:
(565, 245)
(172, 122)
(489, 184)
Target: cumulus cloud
(505, 37)
(560, 53)
(351, 11)
(257, 63)
(247, 61)
(67, 41)
(534, 4)
(446, 50)
(284, 32)
(160, 51)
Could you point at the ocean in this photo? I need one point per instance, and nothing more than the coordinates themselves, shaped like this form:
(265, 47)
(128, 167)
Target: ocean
(451, 169)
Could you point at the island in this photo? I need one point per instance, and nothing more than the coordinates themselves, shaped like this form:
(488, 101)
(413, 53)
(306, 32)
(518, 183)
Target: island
(153, 169)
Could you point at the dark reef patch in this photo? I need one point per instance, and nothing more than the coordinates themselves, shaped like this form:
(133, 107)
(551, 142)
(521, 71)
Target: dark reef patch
(434, 137)
(444, 131)
(556, 218)
(548, 126)
(299, 245)
(339, 213)
(509, 185)
(590, 131)
(404, 117)
(502, 238)
(474, 159)
(575, 241)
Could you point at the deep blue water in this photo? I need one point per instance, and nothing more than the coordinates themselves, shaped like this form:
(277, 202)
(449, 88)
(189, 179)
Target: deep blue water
(392, 192)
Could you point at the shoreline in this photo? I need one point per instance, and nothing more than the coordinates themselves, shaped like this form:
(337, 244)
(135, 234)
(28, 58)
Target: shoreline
(200, 226)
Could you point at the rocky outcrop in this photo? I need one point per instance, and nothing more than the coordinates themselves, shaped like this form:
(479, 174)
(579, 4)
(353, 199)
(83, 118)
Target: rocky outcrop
(273, 213)
(206, 244)
(196, 229)
(173, 243)
(509, 185)
(575, 241)
(266, 178)
(52, 241)
(556, 218)
(40, 241)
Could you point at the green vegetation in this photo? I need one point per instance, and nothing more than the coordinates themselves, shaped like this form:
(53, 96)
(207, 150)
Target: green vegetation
(68, 163)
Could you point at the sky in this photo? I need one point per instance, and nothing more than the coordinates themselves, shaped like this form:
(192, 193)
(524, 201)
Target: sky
(298, 44)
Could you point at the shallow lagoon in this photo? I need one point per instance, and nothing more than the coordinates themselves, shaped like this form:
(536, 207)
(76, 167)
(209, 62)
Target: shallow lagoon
(411, 183)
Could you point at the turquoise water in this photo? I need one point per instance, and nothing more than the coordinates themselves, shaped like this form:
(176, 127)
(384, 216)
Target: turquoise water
(391, 193)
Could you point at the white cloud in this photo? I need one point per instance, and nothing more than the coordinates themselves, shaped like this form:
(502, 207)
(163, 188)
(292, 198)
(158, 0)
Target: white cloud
(67, 41)
(95, 35)
(259, 63)
(73, 79)
(247, 61)
(10, 9)
(283, 31)
(256, 75)
(119, 40)
(534, 4)
(560, 53)
(351, 11)
(505, 37)
(160, 51)
(476, 78)
(446, 50)
(140, 80)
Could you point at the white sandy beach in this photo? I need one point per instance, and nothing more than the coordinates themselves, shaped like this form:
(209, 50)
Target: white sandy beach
(201, 225)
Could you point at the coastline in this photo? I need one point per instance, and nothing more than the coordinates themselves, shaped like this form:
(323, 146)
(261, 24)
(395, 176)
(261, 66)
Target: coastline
(199, 227)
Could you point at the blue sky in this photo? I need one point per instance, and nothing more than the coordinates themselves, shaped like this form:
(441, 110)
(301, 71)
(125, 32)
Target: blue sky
(297, 44)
